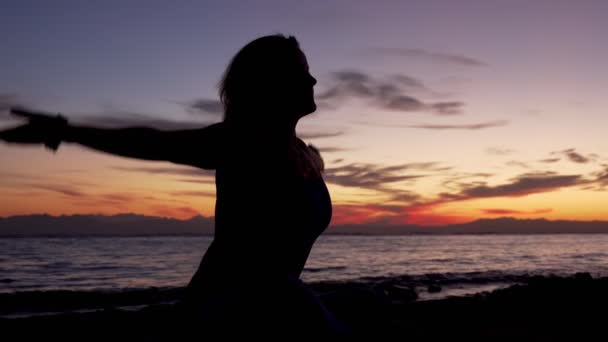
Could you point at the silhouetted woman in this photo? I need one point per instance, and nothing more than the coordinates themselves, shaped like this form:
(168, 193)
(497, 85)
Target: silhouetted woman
(272, 202)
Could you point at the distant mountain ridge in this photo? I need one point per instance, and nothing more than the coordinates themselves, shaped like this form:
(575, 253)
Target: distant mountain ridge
(141, 225)
(102, 225)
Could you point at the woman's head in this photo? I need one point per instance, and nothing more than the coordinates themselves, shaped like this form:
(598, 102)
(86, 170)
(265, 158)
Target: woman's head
(269, 76)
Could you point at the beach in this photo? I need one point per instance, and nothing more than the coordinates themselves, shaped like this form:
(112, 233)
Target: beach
(545, 308)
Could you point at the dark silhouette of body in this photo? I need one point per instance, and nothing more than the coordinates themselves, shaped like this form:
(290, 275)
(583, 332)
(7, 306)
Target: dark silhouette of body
(272, 202)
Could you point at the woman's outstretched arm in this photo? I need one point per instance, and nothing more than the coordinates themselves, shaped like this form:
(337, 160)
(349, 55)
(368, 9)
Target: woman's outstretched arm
(181, 146)
(193, 147)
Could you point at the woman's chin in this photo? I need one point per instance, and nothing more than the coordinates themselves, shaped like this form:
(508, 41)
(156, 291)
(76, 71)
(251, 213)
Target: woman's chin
(311, 108)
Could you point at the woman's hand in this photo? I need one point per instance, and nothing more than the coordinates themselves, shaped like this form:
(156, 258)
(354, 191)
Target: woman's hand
(41, 128)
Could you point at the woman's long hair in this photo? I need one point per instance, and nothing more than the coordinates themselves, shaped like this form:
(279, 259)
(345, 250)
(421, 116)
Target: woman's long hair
(256, 77)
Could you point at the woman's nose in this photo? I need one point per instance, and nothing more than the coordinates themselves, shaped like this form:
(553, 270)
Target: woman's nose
(313, 80)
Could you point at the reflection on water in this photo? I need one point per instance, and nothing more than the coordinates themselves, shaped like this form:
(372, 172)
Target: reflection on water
(138, 262)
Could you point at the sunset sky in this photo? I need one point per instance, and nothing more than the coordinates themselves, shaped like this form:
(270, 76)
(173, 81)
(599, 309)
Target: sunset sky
(430, 112)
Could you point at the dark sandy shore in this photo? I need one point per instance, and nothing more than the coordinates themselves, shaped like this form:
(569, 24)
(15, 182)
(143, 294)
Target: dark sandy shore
(536, 308)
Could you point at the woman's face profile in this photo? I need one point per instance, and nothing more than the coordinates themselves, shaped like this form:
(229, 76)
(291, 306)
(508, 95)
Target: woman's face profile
(308, 84)
(299, 87)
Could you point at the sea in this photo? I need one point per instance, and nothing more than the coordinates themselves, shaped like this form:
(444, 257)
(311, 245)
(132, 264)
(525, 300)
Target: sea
(119, 263)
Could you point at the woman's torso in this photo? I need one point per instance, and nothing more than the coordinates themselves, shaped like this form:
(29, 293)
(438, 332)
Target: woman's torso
(268, 215)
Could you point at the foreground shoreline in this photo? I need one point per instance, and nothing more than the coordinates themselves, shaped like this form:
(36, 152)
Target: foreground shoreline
(531, 308)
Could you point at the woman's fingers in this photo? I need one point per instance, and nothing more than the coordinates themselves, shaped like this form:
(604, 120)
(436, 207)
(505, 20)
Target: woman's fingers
(21, 112)
(37, 116)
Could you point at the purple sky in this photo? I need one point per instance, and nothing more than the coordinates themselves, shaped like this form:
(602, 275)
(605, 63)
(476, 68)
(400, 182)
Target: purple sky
(497, 87)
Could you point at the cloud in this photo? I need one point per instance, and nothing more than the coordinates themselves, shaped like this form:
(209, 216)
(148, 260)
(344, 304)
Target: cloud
(518, 164)
(549, 160)
(402, 103)
(515, 212)
(205, 106)
(521, 185)
(119, 197)
(447, 108)
(198, 181)
(430, 56)
(84, 198)
(427, 211)
(601, 177)
(359, 213)
(154, 198)
(194, 193)
(477, 126)
(413, 208)
(389, 93)
(110, 117)
(410, 83)
(455, 181)
(575, 157)
(382, 179)
(367, 176)
(61, 189)
(319, 135)
(402, 197)
(499, 151)
(168, 170)
(117, 118)
(331, 149)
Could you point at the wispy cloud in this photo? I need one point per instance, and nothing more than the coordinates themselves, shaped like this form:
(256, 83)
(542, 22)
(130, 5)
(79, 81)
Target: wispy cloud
(495, 211)
(429, 56)
(389, 93)
(208, 180)
(331, 149)
(368, 176)
(116, 119)
(359, 213)
(447, 108)
(601, 178)
(471, 127)
(61, 189)
(518, 164)
(119, 197)
(205, 106)
(384, 179)
(574, 156)
(522, 185)
(168, 170)
(499, 151)
(193, 193)
(319, 135)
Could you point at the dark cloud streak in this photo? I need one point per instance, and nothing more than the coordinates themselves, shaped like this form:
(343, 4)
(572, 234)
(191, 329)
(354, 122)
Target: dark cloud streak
(120, 119)
(168, 171)
(205, 106)
(430, 56)
(390, 93)
(473, 127)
